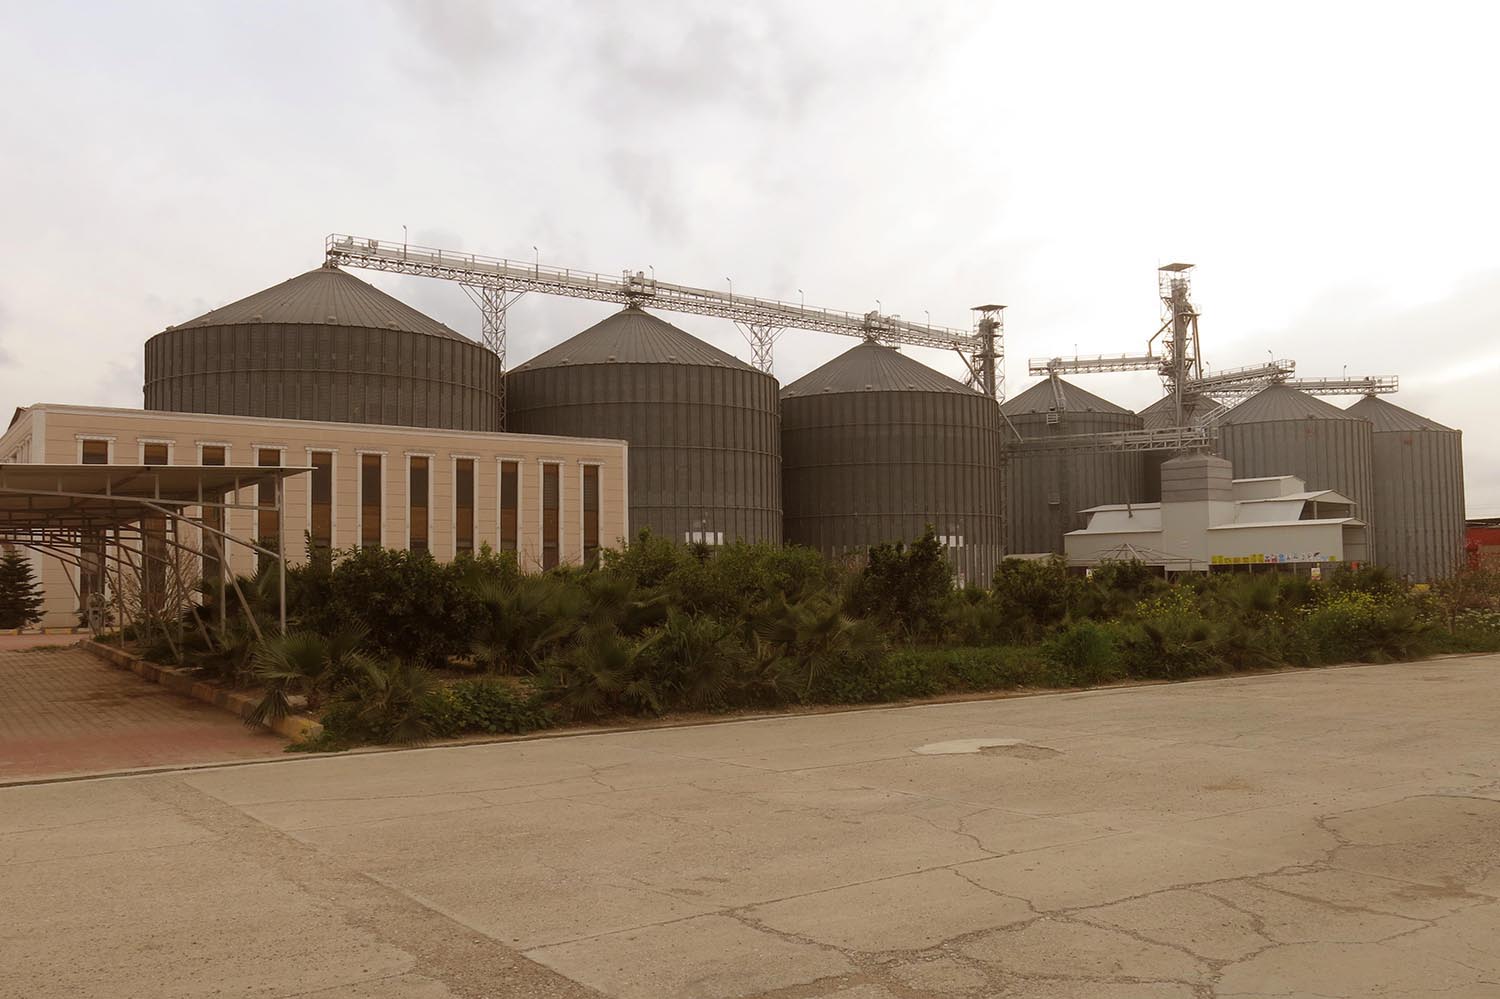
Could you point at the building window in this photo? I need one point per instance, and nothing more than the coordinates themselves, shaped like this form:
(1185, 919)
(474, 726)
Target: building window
(416, 495)
(320, 507)
(590, 515)
(463, 506)
(551, 515)
(510, 505)
(154, 540)
(94, 452)
(267, 522)
(213, 516)
(371, 473)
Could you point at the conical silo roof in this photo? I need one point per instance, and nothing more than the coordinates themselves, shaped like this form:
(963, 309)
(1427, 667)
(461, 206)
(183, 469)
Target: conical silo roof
(1278, 402)
(873, 367)
(1163, 412)
(633, 336)
(1387, 416)
(1041, 399)
(326, 296)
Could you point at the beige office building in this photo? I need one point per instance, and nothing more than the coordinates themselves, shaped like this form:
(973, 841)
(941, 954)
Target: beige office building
(551, 500)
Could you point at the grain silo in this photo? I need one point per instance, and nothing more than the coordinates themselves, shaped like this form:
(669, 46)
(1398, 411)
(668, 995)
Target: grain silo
(877, 446)
(703, 426)
(1046, 490)
(324, 346)
(1419, 490)
(1282, 431)
(1160, 415)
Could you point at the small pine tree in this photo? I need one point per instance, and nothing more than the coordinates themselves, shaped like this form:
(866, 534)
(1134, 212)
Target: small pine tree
(20, 598)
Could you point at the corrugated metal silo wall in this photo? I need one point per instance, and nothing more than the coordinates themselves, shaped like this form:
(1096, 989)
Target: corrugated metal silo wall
(1419, 491)
(1325, 454)
(1044, 492)
(867, 468)
(343, 374)
(705, 442)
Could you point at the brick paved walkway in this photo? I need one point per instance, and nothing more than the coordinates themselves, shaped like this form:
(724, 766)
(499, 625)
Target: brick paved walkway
(64, 712)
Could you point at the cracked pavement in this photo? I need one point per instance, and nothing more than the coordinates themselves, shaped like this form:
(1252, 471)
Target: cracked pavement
(1331, 833)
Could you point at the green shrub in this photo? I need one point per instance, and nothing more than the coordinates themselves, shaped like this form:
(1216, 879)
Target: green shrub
(1034, 595)
(383, 702)
(1169, 647)
(1084, 654)
(415, 608)
(905, 587)
(1476, 631)
(484, 705)
(1354, 625)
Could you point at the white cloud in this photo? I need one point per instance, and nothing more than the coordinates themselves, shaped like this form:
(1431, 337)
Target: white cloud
(1326, 166)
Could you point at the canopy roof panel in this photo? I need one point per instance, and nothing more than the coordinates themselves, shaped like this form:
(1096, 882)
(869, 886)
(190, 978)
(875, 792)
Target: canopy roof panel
(39, 497)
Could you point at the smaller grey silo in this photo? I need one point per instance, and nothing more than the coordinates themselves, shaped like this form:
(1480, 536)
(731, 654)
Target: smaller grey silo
(876, 446)
(703, 426)
(1045, 491)
(1283, 431)
(1419, 490)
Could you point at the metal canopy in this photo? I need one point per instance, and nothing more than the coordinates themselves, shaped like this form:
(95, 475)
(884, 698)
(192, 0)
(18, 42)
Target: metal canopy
(72, 497)
(69, 512)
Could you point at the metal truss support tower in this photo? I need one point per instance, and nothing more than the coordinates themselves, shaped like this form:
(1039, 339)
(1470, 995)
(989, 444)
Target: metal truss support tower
(762, 340)
(1182, 363)
(987, 363)
(493, 303)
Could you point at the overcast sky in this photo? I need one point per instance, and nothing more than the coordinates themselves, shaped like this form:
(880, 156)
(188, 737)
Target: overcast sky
(1332, 169)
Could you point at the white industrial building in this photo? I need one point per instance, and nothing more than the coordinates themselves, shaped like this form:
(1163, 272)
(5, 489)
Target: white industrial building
(1208, 519)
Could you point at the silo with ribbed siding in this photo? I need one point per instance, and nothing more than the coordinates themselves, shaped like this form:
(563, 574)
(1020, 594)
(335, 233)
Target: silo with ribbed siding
(703, 426)
(1160, 415)
(876, 447)
(1419, 490)
(324, 346)
(1046, 486)
(1283, 431)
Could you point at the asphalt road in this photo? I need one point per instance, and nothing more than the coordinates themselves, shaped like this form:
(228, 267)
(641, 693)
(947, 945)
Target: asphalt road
(1324, 833)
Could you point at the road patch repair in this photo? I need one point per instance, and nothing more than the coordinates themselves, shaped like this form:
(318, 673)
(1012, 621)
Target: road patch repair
(1319, 833)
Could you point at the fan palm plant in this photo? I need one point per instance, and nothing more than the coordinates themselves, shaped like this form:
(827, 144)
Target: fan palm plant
(305, 664)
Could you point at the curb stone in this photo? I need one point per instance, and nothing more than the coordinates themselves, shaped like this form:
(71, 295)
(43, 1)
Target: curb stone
(182, 681)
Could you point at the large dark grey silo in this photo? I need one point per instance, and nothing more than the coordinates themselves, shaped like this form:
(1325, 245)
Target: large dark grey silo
(1282, 431)
(1046, 490)
(877, 446)
(324, 346)
(1419, 490)
(703, 426)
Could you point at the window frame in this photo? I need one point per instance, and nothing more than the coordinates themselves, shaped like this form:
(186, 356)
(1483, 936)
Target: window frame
(361, 453)
(143, 442)
(500, 463)
(473, 460)
(542, 465)
(429, 456)
(584, 464)
(223, 514)
(333, 493)
(109, 446)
